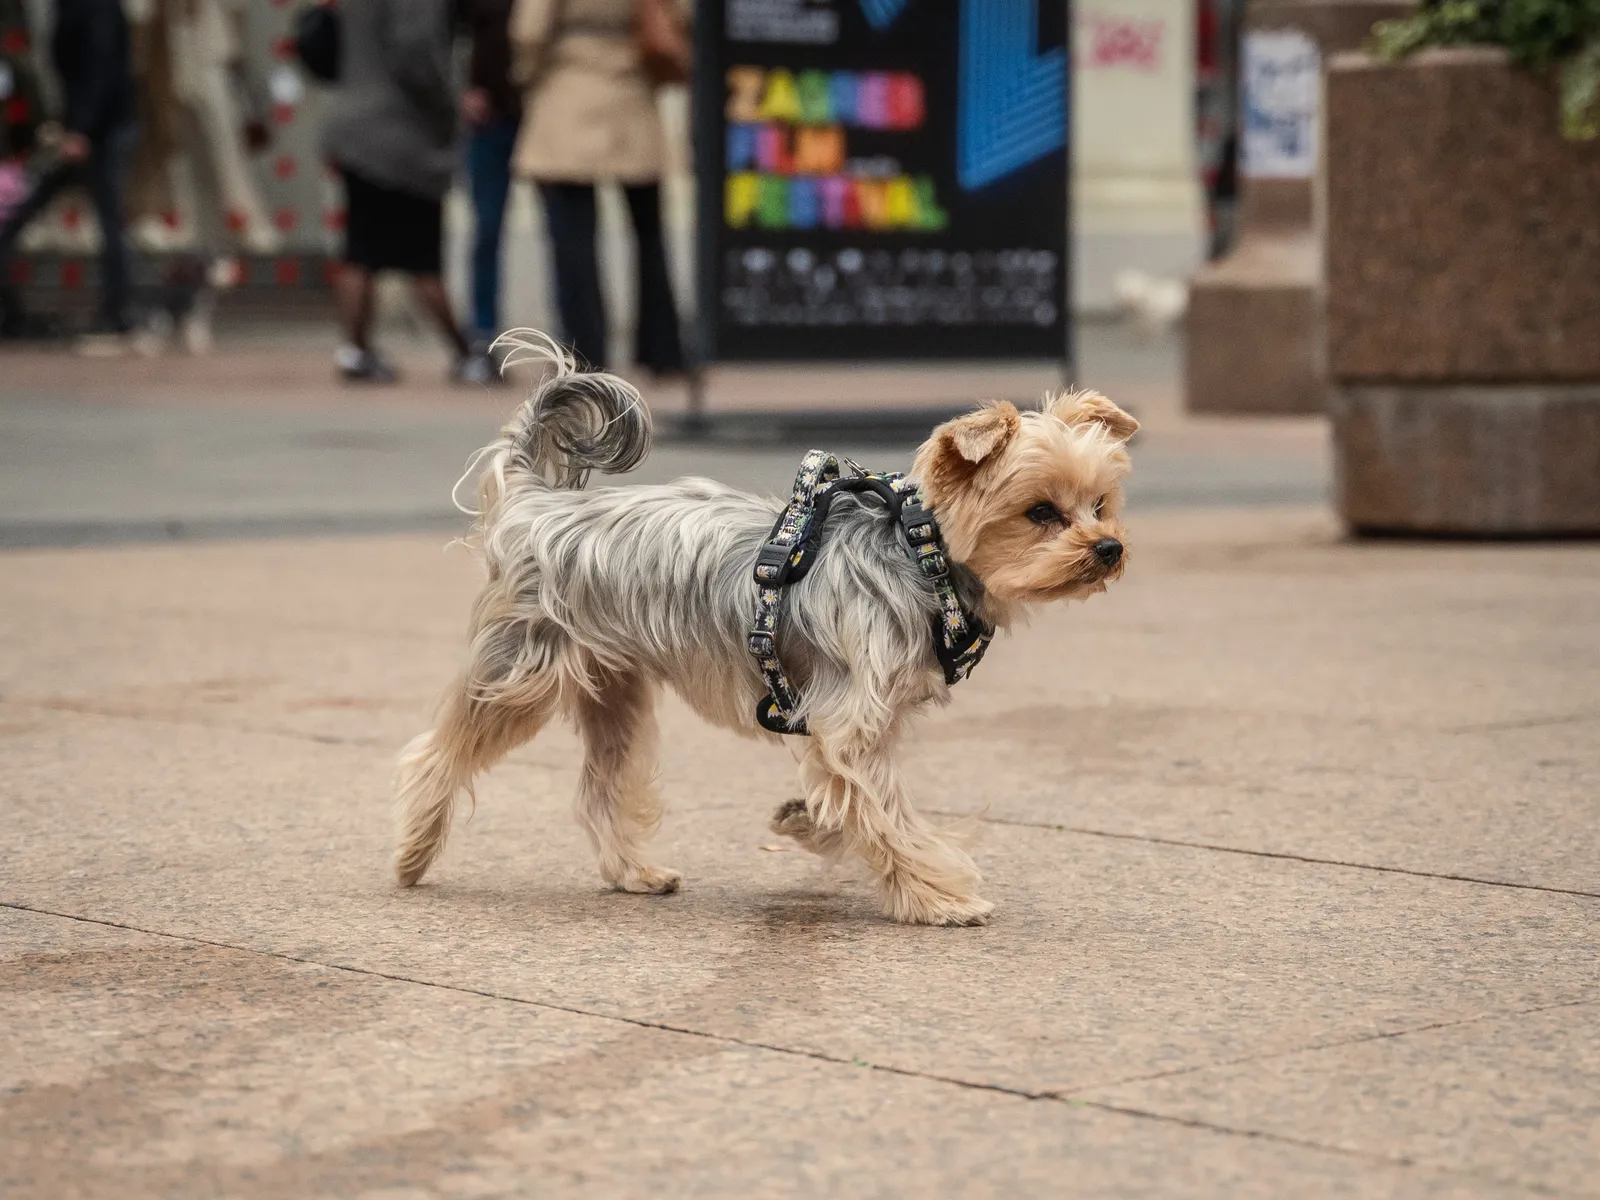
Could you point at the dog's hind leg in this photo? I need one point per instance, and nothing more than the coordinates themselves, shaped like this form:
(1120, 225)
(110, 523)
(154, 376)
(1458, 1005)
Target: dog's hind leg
(504, 698)
(619, 805)
(856, 801)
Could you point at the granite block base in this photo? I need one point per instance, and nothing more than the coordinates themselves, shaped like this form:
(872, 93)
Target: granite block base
(1496, 461)
(1252, 330)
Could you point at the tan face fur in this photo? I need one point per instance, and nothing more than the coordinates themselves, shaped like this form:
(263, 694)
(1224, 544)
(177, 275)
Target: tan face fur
(984, 474)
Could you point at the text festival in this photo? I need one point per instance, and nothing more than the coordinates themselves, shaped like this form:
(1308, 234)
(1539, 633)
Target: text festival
(787, 162)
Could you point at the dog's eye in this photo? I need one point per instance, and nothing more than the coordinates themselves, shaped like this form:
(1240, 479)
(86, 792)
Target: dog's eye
(1099, 507)
(1045, 513)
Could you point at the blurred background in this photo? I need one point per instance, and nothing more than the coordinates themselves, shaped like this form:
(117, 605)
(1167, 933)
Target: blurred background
(1202, 291)
(1295, 832)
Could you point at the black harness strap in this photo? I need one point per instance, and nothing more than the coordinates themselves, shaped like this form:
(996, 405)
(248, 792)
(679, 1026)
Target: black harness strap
(960, 637)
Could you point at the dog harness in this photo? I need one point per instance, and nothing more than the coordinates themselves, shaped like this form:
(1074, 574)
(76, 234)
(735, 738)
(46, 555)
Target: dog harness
(960, 637)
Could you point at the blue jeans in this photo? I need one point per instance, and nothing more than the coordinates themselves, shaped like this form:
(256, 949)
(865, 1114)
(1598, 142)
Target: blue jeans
(489, 173)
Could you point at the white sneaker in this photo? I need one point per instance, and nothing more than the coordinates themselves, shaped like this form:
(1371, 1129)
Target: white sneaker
(476, 369)
(362, 366)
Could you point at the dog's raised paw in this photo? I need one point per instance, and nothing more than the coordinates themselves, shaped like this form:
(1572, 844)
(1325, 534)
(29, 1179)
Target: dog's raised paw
(650, 881)
(791, 819)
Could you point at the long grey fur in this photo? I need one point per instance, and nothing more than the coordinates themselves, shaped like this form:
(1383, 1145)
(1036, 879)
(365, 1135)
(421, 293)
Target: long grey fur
(659, 579)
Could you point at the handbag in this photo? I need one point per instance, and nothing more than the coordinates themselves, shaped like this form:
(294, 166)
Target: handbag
(664, 49)
(319, 41)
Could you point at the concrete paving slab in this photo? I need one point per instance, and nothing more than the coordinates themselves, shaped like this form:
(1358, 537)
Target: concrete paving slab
(1505, 1097)
(1428, 708)
(142, 1066)
(1111, 959)
(197, 741)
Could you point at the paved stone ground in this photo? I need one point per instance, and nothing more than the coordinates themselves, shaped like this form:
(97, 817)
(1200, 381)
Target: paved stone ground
(1294, 842)
(258, 441)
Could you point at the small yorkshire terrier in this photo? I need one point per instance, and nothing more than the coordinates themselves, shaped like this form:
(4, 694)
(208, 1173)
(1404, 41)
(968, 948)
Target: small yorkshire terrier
(594, 598)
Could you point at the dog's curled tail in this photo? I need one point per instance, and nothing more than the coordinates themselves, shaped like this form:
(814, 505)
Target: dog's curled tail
(572, 422)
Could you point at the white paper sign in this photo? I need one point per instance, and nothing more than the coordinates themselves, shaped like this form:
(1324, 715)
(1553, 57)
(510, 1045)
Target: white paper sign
(1280, 96)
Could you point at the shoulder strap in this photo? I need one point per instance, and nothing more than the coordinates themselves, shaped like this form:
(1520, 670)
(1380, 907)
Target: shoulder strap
(960, 638)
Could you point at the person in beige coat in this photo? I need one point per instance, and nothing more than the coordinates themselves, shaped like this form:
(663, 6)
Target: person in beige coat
(589, 115)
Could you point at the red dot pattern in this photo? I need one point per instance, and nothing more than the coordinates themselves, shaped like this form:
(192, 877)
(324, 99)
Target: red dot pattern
(287, 271)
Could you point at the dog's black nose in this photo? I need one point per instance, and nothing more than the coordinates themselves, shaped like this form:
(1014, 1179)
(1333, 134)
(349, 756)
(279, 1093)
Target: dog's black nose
(1108, 551)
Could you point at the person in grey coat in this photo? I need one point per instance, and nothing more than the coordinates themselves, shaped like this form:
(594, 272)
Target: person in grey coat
(391, 132)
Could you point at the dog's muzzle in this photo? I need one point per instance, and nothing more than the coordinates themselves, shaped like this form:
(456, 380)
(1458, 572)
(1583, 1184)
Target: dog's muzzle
(1108, 551)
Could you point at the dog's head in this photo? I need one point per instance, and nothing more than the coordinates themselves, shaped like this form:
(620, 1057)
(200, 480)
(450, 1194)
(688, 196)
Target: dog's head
(1031, 502)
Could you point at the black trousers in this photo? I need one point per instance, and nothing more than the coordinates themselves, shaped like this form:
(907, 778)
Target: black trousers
(570, 213)
(102, 175)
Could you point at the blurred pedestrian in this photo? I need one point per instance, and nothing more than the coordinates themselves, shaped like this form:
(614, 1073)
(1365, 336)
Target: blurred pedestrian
(90, 48)
(492, 109)
(391, 132)
(589, 114)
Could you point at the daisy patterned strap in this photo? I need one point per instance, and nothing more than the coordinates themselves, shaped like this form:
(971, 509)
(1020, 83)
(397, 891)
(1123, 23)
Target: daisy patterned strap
(782, 553)
(960, 638)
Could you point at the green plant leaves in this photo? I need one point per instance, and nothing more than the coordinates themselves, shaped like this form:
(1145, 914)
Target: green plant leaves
(1580, 93)
(1539, 34)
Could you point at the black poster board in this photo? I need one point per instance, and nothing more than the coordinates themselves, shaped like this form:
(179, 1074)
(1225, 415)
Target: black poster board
(882, 179)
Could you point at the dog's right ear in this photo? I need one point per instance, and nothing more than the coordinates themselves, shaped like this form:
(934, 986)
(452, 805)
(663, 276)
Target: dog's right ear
(959, 447)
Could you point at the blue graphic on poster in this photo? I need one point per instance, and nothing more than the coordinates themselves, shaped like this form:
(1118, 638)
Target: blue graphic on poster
(1012, 99)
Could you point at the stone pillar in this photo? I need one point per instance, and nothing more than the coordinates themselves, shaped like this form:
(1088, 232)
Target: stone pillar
(1252, 323)
(1462, 299)
(1136, 195)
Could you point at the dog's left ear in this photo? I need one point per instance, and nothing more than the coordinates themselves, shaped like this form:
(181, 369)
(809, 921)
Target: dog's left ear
(1091, 408)
(972, 438)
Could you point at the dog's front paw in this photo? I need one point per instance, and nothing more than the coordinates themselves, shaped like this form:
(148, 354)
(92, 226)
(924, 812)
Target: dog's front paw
(650, 881)
(938, 908)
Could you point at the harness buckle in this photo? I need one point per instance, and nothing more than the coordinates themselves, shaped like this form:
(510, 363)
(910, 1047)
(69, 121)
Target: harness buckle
(773, 564)
(921, 530)
(763, 644)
